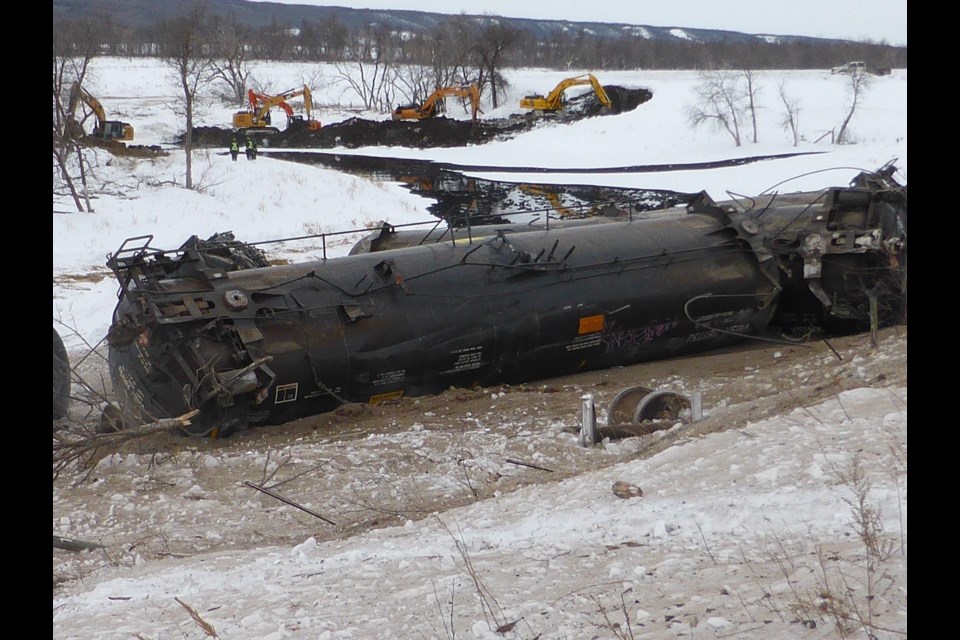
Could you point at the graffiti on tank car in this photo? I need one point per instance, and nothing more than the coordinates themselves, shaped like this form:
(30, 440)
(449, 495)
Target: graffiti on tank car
(743, 328)
(715, 316)
(323, 391)
(621, 338)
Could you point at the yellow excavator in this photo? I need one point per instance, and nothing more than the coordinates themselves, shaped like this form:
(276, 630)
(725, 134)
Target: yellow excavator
(554, 100)
(104, 129)
(434, 103)
(556, 202)
(257, 116)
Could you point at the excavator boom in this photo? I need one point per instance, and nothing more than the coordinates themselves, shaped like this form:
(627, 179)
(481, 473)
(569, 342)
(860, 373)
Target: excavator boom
(554, 100)
(257, 116)
(105, 129)
(430, 106)
(257, 99)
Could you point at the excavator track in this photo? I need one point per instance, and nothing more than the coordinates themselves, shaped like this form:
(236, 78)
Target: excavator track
(246, 131)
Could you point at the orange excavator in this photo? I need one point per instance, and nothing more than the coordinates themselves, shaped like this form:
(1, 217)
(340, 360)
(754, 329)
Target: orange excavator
(257, 116)
(435, 103)
(554, 100)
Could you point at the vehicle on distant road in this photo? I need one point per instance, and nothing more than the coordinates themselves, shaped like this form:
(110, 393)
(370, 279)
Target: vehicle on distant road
(860, 67)
(850, 67)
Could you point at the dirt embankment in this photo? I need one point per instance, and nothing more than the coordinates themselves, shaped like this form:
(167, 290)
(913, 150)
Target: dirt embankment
(118, 148)
(439, 131)
(370, 466)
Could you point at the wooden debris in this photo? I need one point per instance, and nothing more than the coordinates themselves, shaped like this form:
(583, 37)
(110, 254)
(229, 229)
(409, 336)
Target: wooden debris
(69, 544)
(527, 464)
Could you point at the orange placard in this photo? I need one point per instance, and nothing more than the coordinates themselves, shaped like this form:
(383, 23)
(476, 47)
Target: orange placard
(384, 397)
(591, 324)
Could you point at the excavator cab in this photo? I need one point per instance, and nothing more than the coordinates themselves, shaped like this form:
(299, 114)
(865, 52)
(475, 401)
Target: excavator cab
(114, 130)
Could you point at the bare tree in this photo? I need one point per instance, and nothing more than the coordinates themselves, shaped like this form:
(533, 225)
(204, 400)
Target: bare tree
(458, 51)
(184, 53)
(858, 83)
(370, 73)
(720, 102)
(791, 112)
(750, 93)
(443, 59)
(374, 81)
(490, 46)
(74, 47)
(230, 64)
(415, 82)
(449, 51)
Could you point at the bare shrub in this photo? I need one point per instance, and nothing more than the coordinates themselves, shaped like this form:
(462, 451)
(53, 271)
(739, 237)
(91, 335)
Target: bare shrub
(857, 84)
(791, 116)
(847, 589)
(720, 103)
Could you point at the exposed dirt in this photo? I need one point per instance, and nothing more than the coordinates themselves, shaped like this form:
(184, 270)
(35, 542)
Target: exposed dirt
(366, 467)
(438, 131)
(124, 149)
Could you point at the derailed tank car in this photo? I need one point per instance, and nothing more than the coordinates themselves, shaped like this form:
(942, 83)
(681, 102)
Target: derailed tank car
(208, 327)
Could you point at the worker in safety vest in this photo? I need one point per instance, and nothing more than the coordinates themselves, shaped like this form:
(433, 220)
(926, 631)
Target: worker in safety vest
(251, 149)
(234, 149)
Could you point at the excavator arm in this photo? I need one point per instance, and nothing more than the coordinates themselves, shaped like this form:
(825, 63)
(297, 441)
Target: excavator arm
(106, 129)
(554, 100)
(429, 107)
(258, 99)
(601, 94)
(257, 117)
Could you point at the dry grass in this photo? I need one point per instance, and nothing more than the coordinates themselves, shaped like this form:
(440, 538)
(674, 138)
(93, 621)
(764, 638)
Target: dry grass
(849, 586)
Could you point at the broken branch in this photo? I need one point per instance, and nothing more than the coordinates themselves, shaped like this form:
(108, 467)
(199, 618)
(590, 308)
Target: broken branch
(273, 494)
(527, 464)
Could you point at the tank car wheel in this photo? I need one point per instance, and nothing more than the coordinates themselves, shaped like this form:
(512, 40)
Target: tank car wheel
(624, 404)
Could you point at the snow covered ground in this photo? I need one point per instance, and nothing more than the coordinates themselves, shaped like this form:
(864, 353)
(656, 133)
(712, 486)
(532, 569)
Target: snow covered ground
(786, 518)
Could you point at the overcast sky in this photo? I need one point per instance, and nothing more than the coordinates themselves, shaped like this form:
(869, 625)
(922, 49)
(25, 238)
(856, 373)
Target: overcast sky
(876, 20)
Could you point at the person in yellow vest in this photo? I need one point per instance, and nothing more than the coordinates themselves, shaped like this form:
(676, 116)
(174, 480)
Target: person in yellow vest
(251, 149)
(234, 148)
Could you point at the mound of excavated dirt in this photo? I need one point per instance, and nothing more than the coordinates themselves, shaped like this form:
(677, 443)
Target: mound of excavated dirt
(118, 148)
(439, 131)
(587, 105)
